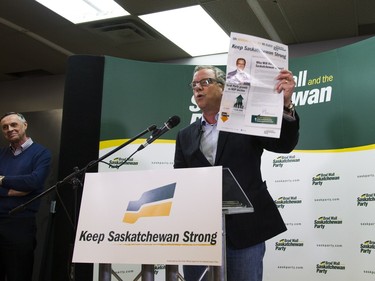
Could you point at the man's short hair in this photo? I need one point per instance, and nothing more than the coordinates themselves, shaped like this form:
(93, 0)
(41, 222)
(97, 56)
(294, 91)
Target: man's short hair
(20, 116)
(219, 74)
(240, 59)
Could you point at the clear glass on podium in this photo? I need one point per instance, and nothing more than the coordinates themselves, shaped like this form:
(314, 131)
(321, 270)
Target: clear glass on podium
(235, 201)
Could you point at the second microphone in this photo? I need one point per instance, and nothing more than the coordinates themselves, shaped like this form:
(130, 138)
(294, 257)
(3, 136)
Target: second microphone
(157, 133)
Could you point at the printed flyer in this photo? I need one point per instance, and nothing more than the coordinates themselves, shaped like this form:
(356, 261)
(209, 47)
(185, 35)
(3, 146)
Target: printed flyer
(250, 104)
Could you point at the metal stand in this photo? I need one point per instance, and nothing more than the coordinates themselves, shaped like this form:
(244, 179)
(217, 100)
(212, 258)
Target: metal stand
(147, 273)
(172, 274)
(105, 272)
(218, 273)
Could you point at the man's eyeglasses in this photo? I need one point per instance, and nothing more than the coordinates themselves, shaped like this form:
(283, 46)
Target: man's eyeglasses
(204, 82)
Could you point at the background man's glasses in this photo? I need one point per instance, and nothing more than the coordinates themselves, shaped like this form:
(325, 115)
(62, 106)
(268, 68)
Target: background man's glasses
(203, 83)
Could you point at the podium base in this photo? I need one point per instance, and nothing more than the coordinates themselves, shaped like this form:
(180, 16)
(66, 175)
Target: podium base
(172, 274)
(105, 272)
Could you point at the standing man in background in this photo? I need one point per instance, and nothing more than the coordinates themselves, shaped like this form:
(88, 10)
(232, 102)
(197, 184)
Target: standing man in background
(202, 145)
(24, 168)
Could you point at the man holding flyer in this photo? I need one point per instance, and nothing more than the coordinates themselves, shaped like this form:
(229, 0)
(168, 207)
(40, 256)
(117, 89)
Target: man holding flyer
(201, 144)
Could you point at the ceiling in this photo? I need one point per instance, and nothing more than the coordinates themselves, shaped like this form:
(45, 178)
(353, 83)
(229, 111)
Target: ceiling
(36, 42)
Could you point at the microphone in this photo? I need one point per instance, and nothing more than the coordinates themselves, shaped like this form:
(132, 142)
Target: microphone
(157, 133)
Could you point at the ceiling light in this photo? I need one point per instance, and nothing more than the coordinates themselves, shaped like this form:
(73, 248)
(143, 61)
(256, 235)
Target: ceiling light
(78, 11)
(192, 29)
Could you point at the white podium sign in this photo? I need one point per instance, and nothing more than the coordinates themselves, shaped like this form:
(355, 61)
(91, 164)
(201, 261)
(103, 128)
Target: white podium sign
(151, 217)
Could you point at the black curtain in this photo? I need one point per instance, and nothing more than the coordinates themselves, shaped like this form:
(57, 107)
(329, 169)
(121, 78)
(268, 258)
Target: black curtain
(80, 135)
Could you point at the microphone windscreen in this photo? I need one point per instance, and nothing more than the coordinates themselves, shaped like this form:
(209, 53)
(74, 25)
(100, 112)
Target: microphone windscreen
(174, 121)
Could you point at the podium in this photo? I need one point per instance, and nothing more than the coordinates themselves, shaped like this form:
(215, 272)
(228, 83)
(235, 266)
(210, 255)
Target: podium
(234, 201)
(102, 240)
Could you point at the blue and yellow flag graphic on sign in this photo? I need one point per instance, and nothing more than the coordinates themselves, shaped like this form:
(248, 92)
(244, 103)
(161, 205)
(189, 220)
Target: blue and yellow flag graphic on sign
(153, 203)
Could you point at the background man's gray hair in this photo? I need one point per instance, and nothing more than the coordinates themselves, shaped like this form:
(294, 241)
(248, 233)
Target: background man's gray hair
(20, 116)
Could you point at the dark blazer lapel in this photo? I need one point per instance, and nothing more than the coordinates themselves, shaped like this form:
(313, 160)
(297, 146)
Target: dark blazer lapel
(220, 145)
(196, 135)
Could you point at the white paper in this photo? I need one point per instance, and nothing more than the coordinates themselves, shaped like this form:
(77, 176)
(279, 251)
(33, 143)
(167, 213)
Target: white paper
(250, 104)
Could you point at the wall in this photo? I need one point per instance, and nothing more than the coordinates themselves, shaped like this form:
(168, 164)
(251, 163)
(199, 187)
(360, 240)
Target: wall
(32, 94)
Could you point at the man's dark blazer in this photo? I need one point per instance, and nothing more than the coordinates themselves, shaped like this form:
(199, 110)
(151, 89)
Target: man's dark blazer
(242, 154)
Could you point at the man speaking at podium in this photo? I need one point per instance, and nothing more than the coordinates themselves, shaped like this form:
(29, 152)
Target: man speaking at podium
(201, 145)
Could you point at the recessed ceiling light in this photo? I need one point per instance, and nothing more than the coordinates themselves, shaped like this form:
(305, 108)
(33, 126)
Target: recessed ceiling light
(192, 29)
(78, 11)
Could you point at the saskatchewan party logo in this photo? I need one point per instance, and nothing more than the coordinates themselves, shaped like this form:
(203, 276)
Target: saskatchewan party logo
(117, 162)
(284, 244)
(321, 222)
(365, 198)
(319, 179)
(279, 161)
(367, 247)
(291, 200)
(324, 266)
